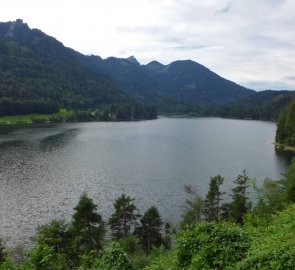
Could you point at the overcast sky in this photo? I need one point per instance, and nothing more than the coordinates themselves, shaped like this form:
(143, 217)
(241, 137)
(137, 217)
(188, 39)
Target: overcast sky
(251, 42)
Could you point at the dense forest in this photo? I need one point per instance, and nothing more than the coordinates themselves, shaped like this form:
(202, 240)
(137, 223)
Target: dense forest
(218, 231)
(286, 126)
(38, 74)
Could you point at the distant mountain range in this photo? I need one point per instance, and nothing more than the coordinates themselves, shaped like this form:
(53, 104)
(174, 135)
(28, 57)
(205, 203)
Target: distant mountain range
(39, 74)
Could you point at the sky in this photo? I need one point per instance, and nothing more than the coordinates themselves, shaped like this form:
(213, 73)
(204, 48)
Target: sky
(251, 42)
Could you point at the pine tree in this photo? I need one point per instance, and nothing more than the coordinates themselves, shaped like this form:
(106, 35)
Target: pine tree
(239, 205)
(149, 232)
(211, 209)
(87, 227)
(124, 220)
(193, 209)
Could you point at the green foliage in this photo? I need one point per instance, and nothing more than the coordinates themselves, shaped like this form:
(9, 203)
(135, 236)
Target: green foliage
(193, 208)
(211, 246)
(271, 198)
(239, 205)
(27, 118)
(164, 261)
(211, 208)
(2, 250)
(285, 134)
(55, 235)
(130, 244)
(289, 182)
(114, 258)
(42, 257)
(272, 246)
(124, 220)
(8, 264)
(39, 75)
(262, 105)
(126, 112)
(87, 227)
(149, 232)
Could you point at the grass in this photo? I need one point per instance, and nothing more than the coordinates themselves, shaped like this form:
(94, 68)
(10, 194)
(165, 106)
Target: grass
(27, 118)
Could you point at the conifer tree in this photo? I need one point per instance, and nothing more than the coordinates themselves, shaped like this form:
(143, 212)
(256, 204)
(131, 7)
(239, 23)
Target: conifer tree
(149, 232)
(87, 227)
(239, 205)
(124, 220)
(211, 208)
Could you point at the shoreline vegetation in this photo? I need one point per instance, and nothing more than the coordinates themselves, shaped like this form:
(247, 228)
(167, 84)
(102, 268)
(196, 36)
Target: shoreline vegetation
(284, 147)
(108, 112)
(213, 233)
(89, 116)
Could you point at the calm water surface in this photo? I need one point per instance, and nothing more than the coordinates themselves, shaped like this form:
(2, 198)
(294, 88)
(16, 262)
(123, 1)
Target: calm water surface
(44, 169)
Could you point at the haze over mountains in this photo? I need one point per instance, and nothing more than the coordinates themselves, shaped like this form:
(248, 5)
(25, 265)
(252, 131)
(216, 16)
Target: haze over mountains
(39, 74)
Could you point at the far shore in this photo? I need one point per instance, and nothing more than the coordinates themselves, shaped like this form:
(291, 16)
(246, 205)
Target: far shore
(284, 147)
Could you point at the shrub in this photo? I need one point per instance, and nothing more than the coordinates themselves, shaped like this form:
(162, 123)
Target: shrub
(273, 246)
(211, 246)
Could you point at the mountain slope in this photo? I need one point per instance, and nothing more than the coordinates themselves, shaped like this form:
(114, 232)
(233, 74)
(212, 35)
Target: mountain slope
(179, 83)
(39, 74)
(263, 105)
(189, 82)
(127, 73)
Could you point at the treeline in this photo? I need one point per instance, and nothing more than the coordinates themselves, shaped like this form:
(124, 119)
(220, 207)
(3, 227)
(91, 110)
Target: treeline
(285, 134)
(218, 231)
(264, 105)
(81, 244)
(9, 106)
(36, 68)
(107, 112)
(127, 111)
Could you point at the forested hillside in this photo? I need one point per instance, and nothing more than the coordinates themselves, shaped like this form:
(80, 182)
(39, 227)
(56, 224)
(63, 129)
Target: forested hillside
(39, 75)
(263, 105)
(286, 126)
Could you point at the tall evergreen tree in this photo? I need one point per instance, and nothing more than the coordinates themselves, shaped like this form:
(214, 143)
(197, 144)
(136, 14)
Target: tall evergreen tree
(124, 220)
(193, 209)
(87, 227)
(289, 183)
(239, 205)
(149, 232)
(211, 209)
(55, 235)
(2, 251)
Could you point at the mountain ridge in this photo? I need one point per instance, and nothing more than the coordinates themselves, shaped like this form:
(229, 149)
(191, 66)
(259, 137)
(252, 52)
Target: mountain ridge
(37, 70)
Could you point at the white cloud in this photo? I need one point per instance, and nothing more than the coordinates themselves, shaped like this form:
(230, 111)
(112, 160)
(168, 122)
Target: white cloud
(250, 42)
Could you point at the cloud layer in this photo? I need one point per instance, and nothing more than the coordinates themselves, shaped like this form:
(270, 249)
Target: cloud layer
(250, 42)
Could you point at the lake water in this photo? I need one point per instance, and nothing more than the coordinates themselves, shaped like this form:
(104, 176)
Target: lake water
(44, 169)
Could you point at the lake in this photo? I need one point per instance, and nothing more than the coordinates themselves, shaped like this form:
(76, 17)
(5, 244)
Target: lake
(44, 169)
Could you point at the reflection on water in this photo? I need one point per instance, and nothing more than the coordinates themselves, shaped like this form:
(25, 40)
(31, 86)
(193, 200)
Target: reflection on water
(58, 140)
(44, 169)
(285, 155)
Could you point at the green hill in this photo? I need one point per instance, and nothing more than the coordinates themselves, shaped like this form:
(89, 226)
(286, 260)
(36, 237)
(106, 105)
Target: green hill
(39, 75)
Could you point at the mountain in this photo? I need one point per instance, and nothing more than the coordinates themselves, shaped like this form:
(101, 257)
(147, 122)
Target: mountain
(191, 83)
(181, 82)
(39, 74)
(128, 74)
(263, 105)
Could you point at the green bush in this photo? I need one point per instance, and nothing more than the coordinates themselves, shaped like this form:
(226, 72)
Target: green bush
(165, 261)
(114, 258)
(273, 246)
(211, 246)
